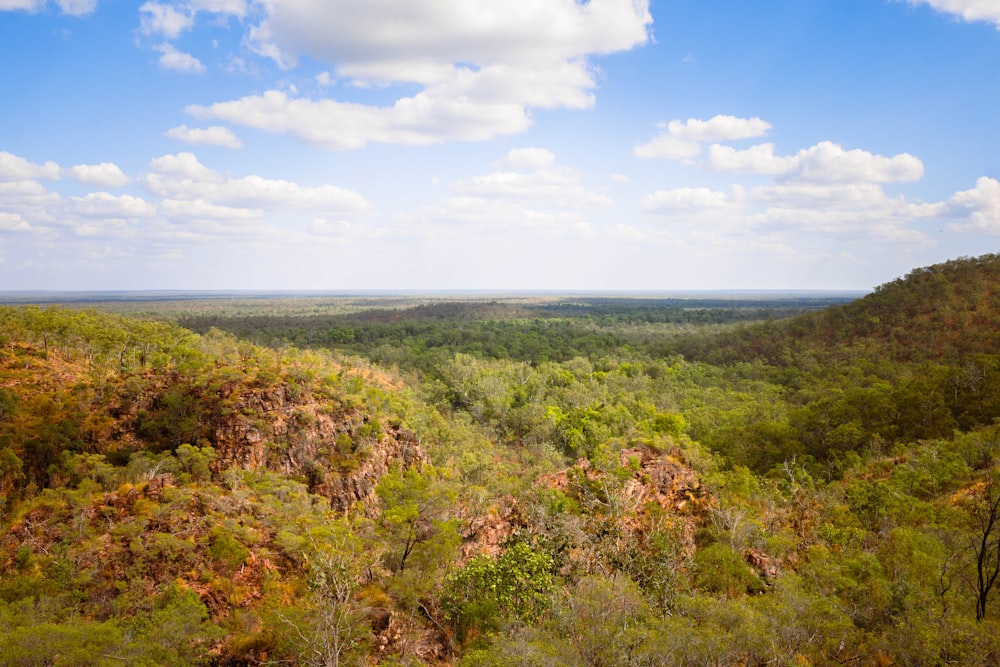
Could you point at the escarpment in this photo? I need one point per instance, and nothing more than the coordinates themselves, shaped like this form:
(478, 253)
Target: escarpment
(334, 444)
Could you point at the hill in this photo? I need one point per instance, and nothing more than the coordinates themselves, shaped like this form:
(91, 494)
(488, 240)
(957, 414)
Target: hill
(173, 498)
(940, 313)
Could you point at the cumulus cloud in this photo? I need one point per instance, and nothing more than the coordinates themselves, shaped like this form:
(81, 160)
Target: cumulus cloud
(178, 61)
(21, 5)
(669, 148)
(683, 140)
(718, 128)
(12, 222)
(530, 195)
(157, 18)
(851, 212)
(979, 206)
(77, 7)
(968, 10)
(481, 65)
(105, 174)
(182, 177)
(199, 209)
(468, 106)
(209, 136)
(16, 168)
(685, 200)
(539, 179)
(237, 8)
(101, 205)
(759, 159)
(826, 162)
(823, 190)
(427, 36)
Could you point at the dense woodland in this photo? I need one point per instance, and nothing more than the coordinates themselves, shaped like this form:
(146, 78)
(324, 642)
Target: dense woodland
(574, 481)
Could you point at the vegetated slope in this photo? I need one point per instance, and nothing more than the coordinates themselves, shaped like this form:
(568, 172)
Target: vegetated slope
(167, 498)
(938, 313)
(171, 498)
(151, 387)
(566, 517)
(917, 359)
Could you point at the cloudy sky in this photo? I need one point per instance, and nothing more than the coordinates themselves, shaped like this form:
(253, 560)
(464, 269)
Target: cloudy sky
(495, 144)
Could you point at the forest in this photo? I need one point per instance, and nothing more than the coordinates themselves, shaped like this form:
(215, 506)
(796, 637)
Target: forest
(547, 481)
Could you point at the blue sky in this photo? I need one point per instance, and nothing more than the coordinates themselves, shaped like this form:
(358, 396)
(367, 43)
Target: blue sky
(490, 144)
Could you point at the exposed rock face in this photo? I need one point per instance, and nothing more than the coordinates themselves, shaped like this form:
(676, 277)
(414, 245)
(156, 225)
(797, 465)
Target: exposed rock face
(653, 478)
(661, 478)
(658, 477)
(341, 452)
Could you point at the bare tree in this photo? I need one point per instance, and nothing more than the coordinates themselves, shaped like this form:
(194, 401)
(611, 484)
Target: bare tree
(986, 544)
(334, 629)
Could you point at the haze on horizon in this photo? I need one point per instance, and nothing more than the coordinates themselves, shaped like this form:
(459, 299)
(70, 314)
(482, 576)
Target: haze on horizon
(606, 146)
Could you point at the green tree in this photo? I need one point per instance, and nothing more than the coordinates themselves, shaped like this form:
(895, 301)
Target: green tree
(487, 591)
(414, 504)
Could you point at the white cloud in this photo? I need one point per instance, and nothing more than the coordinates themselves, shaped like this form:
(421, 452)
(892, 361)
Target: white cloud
(823, 191)
(77, 7)
(540, 180)
(156, 18)
(826, 162)
(12, 222)
(209, 136)
(505, 217)
(101, 205)
(685, 199)
(782, 216)
(423, 119)
(178, 61)
(183, 177)
(237, 8)
(21, 5)
(980, 206)
(759, 159)
(106, 174)
(530, 158)
(16, 168)
(183, 166)
(682, 140)
(170, 20)
(199, 209)
(481, 65)
(667, 148)
(468, 106)
(534, 196)
(619, 178)
(718, 128)
(969, 10)
(68, 7)
(355, 35)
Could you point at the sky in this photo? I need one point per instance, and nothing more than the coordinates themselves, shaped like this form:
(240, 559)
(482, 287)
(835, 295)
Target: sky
(495, 144)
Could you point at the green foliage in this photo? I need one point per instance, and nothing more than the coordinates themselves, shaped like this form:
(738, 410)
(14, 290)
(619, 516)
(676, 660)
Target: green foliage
(718, 569)
(414, 506)
(489, 592)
